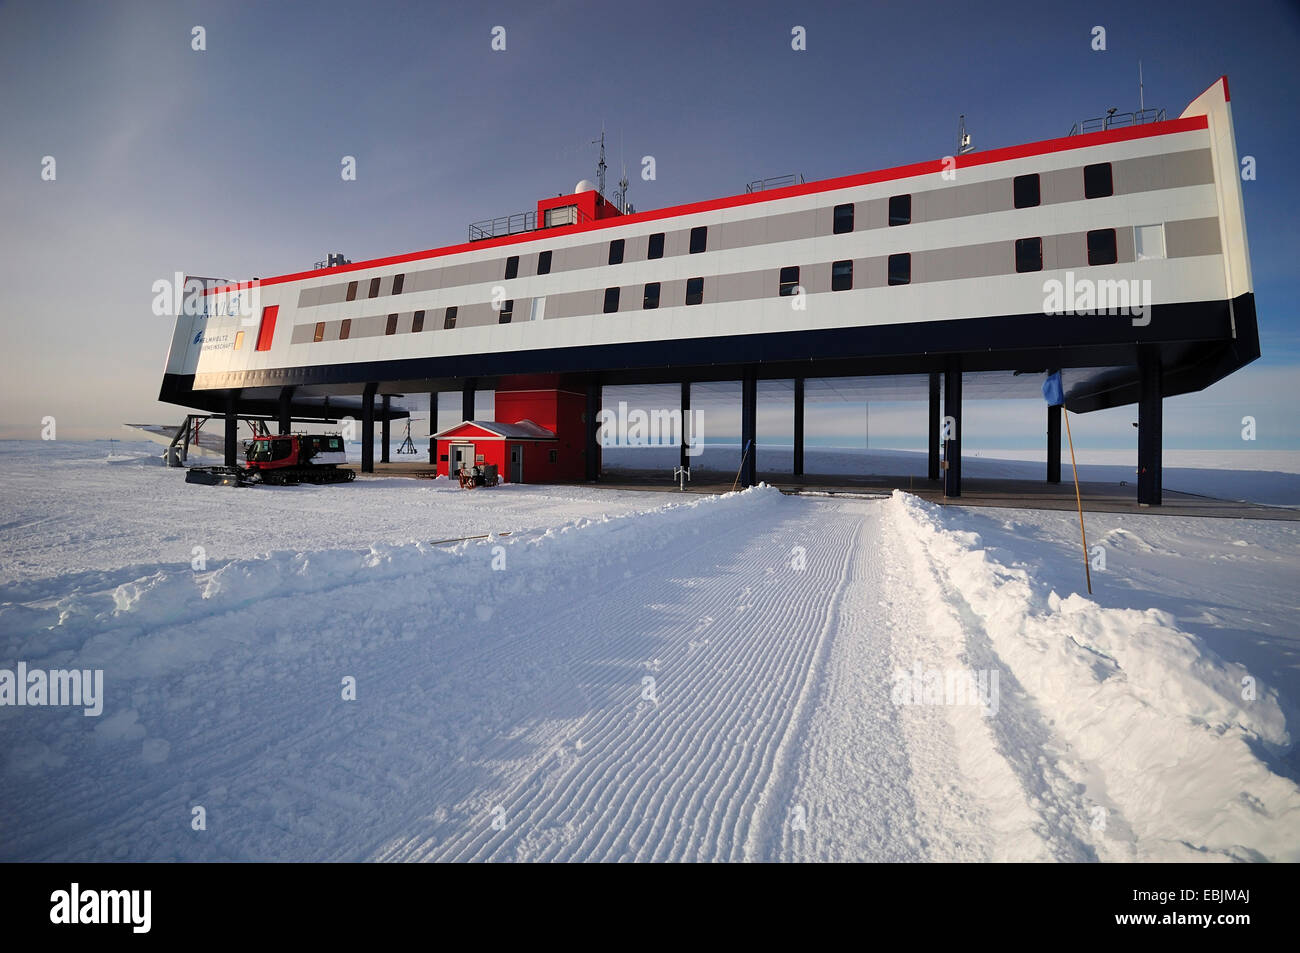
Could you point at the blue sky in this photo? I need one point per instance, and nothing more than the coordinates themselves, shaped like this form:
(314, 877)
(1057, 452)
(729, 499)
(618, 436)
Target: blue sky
(226, 162)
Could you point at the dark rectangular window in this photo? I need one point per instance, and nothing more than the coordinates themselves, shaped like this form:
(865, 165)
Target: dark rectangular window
(611, 300)
(699, 239)
(1097, 181)
(1029, 254)
(842, 275)
(507, 311)
(552, 455)
(789, 280)
(345, 328)
(398, 281)
(374, 287)
(900, 209)
(616, 252)
(651, 299)
(843, 218)
(1101, 247)
(320, 332)
(512, 267)
(900, 269)
(352, 291)
(449, 321)
(391, 327)
(1025, 190)
(544, 263)
(417, 322)
(656, 247)
(694, 290)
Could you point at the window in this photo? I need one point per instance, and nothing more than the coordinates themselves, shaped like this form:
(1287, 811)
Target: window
(1097, 181)
(374, 287)
(900, 269)
(417, 322)
(553, 455)
(1149, 241)
(352, 291)
(449, 321)
(611, 300)
(655, 249)
(1029, 254)
(843, 218)
(319, 334)
(507, 311)
(537, 308)
(267, 330)
(1101, 247)
(900, 209)
(391, 327)
(842, 275)
(651, 299)
(239, 340)
(398, 281)
(699, 239)
(544, 263)
(345, 328)
(512, 267)
(616, 252)
(1025, 190)
(694, 290)
(789, 280)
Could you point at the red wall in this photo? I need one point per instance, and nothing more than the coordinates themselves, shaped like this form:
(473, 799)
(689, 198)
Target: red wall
(559, 411)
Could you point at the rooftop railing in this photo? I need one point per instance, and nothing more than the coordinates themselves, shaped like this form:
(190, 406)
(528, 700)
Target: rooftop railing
(1117, 120)
(775, 182)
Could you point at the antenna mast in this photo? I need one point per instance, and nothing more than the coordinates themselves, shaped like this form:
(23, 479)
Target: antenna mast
(600, 166)
(1142, 102)
(963, 137)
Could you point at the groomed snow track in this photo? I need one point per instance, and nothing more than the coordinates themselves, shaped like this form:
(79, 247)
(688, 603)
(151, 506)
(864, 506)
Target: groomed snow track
(708, 680)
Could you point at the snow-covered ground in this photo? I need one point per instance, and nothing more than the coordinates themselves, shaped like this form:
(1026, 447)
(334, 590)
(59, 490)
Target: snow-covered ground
(634, 676)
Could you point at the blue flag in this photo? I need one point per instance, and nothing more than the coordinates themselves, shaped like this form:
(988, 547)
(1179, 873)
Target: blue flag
(1053, 391)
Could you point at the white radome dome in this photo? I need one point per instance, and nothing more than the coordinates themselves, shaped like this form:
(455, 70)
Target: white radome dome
(586, 185)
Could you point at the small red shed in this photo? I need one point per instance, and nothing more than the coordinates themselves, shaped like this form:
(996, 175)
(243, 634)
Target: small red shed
(523, 452)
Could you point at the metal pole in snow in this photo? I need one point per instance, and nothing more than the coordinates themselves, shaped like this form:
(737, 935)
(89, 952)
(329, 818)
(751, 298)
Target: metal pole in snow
(742, 466)
(1087, 569)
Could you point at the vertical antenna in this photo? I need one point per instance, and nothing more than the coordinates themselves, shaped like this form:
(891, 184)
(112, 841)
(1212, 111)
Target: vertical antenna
(623, 207)
(600, 166)
(1142, 100)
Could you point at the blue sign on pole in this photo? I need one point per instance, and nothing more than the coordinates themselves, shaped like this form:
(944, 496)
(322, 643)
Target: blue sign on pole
(1053, 391)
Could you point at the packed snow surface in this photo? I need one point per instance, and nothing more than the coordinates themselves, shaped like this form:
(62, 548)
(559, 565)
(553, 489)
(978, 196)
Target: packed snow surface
(633, 676)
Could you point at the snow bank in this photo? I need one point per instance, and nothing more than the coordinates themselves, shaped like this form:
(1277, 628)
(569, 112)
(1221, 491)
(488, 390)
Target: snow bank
(1156, 727)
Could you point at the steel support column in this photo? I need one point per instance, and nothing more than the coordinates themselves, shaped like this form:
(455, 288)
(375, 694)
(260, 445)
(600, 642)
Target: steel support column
(1054, 444)
(232, 429)
(368, 428)
(952, 413)
(686, 422)
(933, 471)
(385, 430)
(467, 399)
(286, 409)
(798, 426)
(592, 421)
(1150, 429)
(433, 426)
(749, 427)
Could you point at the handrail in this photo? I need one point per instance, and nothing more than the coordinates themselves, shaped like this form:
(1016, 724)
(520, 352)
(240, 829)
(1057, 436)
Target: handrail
(518, 223)
(1117, 120)
(775, 182)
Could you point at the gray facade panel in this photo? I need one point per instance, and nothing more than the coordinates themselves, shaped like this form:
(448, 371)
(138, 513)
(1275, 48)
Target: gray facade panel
(1191, 238)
